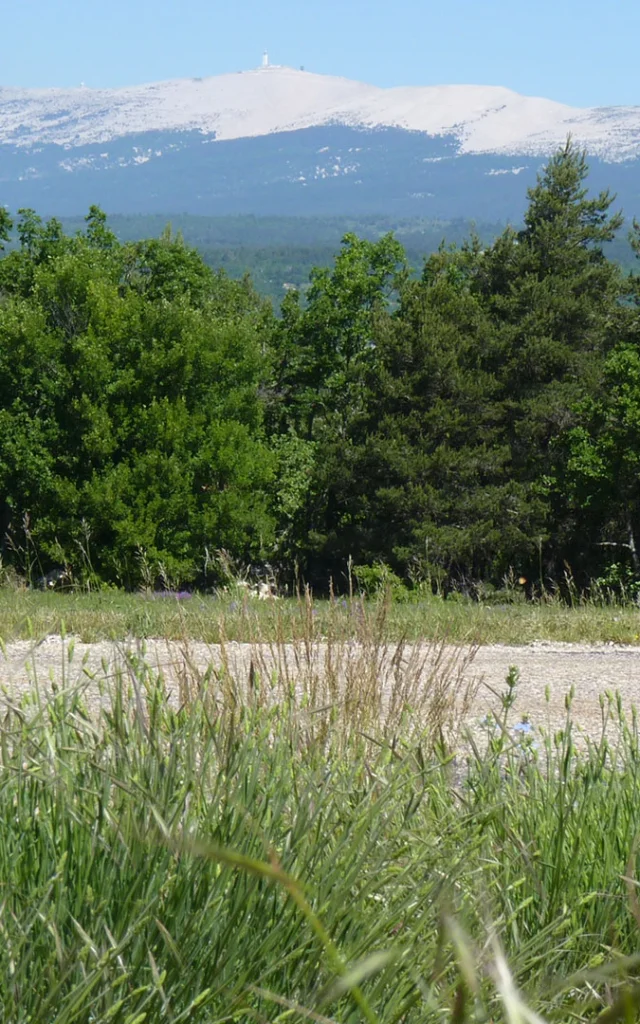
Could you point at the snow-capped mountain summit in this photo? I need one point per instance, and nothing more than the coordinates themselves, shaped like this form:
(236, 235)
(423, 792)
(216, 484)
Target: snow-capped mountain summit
(269, 100)
(132, 146)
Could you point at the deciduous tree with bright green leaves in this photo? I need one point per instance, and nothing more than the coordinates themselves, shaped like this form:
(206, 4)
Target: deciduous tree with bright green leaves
(129, 406)
(602, 453)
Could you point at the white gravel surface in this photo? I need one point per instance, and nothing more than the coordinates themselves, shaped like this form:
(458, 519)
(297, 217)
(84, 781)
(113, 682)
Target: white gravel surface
(590, 670)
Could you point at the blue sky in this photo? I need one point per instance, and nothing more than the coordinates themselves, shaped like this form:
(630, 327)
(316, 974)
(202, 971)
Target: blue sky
(583, 53)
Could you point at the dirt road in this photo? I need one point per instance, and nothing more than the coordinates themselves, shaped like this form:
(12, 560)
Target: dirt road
(590, 670)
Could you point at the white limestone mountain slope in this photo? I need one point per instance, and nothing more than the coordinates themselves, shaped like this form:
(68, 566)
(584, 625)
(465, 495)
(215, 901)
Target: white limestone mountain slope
(281, 139)
(486, 119)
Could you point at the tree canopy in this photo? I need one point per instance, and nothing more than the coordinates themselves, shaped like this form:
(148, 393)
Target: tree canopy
(131, 426)
(480, 419)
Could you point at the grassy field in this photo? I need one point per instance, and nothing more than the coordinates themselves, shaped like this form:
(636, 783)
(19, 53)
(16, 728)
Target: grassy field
(240, 852)
(30, 614)
(224, 861)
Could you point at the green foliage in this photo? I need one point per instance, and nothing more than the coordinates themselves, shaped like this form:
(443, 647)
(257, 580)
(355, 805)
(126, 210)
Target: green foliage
(619, 580)
(634, 238)
(603, 465)
(321, 350)
(294, 467)
(128, 404)
(440, 453)
(6, 224)
(280, 252)
(380, 581)
(475, 422)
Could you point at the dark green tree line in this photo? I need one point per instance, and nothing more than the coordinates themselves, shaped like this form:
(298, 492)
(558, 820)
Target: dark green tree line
(481, 418)
(451, 461)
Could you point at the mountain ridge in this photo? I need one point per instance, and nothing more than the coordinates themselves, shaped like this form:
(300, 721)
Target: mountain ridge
(273, 99)
(277, 141)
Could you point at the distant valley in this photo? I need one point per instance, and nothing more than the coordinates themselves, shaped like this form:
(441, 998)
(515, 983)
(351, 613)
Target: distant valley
(279, 252)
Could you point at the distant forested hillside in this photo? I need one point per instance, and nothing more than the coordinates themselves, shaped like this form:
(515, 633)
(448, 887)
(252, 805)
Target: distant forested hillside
(280, 252)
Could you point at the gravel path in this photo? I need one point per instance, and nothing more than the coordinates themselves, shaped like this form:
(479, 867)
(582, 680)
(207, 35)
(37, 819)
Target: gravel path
(590, 670)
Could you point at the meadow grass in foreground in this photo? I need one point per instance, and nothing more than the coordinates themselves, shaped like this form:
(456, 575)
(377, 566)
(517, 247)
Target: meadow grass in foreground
(220, 858)
(32, 614)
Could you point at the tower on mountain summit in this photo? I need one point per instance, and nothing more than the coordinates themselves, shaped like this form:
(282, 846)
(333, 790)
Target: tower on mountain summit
(265, 59)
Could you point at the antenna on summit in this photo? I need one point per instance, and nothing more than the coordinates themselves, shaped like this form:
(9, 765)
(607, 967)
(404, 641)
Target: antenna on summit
(265, 59)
